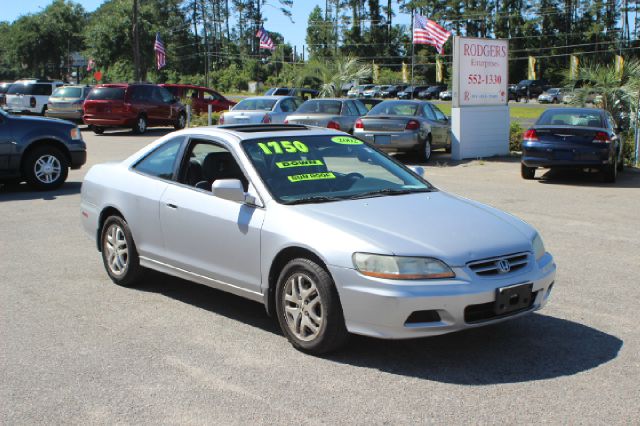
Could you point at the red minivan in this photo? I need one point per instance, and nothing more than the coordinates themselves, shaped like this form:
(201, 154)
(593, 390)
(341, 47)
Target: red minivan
(200, 97)
(134, 106)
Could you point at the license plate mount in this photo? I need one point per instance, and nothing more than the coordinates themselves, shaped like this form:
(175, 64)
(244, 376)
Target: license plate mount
(382, 139)
(512, 298)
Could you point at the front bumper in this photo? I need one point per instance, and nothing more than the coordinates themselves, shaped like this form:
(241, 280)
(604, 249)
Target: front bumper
(381, 308)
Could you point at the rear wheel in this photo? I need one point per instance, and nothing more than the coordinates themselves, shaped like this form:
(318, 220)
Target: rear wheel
(141, 125)
(46, 168)
(527, 172)
(308, 308)
(610, 172)
(620, 165)
(425, 150)
(97, 130)
(181, 122)
(119, 253)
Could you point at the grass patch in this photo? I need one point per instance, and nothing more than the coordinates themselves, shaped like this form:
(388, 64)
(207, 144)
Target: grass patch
(517, 112)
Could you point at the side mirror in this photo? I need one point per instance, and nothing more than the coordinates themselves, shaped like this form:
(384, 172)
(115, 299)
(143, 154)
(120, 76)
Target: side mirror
(228, 189)
(417, 170)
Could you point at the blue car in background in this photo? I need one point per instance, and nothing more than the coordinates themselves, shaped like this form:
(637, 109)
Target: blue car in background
(38, 150)
(573, 137)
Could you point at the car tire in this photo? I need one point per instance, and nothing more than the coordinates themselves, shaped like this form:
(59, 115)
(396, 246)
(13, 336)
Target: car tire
(46, 168)
(308, 308)
(97, 130)
(620, 166)
(119, 254)
(44, 111)
(527, 173)
(141, 125)
(426, 150)
(610, 172)
(555, 100)
(181, 121)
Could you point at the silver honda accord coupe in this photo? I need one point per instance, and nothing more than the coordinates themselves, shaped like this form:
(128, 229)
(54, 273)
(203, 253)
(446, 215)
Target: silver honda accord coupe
(329, 233)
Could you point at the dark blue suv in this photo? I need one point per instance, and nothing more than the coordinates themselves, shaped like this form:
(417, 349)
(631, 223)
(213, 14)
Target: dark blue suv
(39, 150)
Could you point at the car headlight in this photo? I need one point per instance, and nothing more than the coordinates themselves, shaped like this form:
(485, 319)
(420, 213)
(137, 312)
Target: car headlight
(401, 267)
(75, 134)
(538, 247)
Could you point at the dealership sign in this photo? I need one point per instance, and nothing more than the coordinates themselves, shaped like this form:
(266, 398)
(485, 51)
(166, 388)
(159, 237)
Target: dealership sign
(480, 72)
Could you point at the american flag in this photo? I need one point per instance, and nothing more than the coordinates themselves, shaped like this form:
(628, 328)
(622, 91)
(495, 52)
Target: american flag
(265, 40)
(161, 56)
(428, 32)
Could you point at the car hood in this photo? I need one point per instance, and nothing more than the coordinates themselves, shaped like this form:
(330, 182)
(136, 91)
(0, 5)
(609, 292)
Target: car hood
(41, 120)
(436, 224)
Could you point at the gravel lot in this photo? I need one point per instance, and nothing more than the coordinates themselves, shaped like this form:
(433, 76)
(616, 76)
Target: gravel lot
(74, 348)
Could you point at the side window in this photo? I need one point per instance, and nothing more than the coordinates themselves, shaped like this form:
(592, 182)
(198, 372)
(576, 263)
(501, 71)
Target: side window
(212, 96)
(165, 95)
(42, 89)
(209, 162)
(161, 162)
(287, 105)
(362, 110)
(349, 108)
(439, 114)
(612, 123)
(428, 112)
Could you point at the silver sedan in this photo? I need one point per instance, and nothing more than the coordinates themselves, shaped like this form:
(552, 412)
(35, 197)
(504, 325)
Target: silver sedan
(261, 109)
(406, 126)
(339, 114)
(330, 234)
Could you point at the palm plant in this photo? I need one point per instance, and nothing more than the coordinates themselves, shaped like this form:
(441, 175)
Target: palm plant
(607, 88)
(336, 72)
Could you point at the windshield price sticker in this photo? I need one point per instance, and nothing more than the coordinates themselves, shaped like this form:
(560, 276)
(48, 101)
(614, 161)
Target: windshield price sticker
(311, 176)
(298, 163)
(281, 147)
(346, 140)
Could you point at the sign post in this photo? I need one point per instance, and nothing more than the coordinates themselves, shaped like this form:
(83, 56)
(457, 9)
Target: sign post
(480, 113)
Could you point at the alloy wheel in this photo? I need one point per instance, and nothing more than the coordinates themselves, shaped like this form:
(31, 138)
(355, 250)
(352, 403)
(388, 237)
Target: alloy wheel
(117, 251)
(47, 169)
(302, 306)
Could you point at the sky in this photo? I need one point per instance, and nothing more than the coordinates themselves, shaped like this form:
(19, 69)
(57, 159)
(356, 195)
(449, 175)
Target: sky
(294, 33)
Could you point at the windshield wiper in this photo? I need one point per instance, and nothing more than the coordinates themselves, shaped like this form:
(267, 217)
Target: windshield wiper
(389, 191)
(315, 199)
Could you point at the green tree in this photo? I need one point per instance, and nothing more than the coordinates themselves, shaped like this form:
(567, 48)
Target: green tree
(320, 36)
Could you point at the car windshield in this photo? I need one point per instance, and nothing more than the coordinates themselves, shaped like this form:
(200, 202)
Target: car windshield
(3, 112)
(576, 118)
(106, 94)
(321, 107)
(310, 169)
(525, 82)
(255, 105)
(4, 88)
(67, 92)
(395, 108)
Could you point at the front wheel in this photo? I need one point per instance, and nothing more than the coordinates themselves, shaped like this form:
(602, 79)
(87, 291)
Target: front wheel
(527, 173)
(97, 130)
(119, 253)
(46, 168)
(308, 308)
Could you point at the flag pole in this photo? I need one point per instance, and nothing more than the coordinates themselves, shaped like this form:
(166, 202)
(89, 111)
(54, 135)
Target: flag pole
(413, 47)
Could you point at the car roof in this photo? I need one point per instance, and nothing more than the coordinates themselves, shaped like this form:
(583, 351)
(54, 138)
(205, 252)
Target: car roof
(574, 110)
(274, 97)
(243, 132)
(185, 86)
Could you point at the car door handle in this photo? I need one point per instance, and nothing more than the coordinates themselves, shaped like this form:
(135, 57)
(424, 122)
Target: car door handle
(172, 206)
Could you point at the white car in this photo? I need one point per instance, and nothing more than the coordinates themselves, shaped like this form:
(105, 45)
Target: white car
(261, 109)
(30, 96)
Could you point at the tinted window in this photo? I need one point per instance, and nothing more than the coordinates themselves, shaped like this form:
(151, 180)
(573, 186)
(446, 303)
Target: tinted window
(571, 118)
(255, 104)
(107, 93)
(19, 88)
(288, 105)
(4, 88)
(67, 92)
(395, 108)
(321, 107)
(362, 110)
(160, 163)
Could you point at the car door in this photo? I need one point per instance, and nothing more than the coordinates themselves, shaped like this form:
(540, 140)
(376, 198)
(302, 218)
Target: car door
(439, 129)
(7, 145)
(207, 235)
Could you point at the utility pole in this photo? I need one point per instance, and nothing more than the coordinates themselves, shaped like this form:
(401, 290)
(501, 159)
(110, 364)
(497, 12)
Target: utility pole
(136, 42)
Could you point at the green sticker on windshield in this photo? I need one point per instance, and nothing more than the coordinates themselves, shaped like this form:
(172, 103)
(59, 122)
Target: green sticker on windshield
(346, 140)
(298, 163)
(311, 176)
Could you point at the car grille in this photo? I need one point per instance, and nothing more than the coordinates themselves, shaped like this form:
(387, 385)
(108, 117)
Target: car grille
(499, 265)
